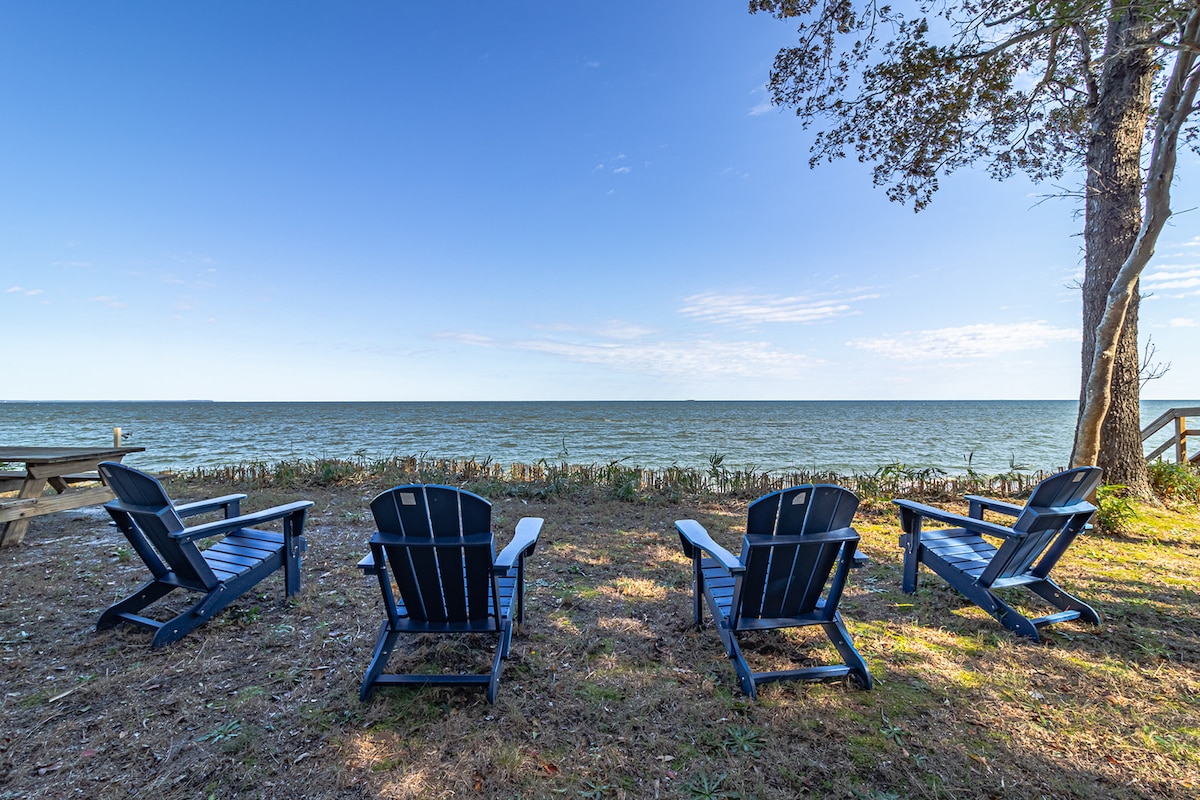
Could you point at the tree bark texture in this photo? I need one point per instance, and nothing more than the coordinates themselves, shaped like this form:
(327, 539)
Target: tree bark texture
(1113, 219)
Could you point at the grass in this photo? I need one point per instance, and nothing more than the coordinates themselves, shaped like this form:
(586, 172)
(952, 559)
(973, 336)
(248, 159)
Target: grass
(609, 692)
(615, 479)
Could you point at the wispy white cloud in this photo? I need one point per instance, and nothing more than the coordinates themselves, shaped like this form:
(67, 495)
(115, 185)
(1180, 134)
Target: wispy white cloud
(23, 290)
(613, 329)
(473, 339)
(613, 164)
(762, 102)
(693, 358)
(967, 342)
(749, 310)
(1172, 279)
(626, 347)
(1180, 322)
(109, 300)
(194, 258)
(618, 329)
(552, 326)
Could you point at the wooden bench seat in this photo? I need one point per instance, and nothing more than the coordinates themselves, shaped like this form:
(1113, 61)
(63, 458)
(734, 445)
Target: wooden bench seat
(11, 480)
(18, 508)
(78, 477)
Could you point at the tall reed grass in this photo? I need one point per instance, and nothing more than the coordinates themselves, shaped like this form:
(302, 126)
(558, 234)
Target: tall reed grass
(614, 479)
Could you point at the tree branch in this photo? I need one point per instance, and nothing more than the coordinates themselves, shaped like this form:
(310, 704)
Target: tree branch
(1008, 44)
(1178, 101)
(1085, 57)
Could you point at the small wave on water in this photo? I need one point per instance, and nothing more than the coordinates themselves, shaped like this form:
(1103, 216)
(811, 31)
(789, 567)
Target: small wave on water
(838, 436)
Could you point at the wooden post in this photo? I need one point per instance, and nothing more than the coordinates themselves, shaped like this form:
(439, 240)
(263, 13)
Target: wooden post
(1181, 440)
(116, 437)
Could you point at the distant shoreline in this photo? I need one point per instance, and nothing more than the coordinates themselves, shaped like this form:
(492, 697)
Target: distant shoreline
(89, 402)
(956, 437)
(686, 400)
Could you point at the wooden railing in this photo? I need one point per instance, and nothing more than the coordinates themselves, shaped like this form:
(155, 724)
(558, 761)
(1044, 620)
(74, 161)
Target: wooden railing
(1178, 439)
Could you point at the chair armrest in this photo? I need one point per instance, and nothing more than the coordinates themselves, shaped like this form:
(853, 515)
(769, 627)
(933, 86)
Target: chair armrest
(522, 544)
(981, 504)
(919, 510)
(214, 504)
(692, 536)
(231, 524)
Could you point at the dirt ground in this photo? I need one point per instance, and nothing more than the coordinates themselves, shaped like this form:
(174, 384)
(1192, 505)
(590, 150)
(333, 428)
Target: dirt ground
(609, 692)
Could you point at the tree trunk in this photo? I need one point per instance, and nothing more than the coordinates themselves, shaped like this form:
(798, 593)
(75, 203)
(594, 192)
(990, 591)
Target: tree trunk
(1113, 220)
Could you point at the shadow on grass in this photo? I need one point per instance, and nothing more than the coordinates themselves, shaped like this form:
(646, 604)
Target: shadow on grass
(609, 692)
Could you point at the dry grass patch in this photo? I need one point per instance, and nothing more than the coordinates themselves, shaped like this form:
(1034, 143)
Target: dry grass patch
(610, 693)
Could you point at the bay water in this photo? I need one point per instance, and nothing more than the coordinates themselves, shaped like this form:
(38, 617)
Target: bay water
(841, 436)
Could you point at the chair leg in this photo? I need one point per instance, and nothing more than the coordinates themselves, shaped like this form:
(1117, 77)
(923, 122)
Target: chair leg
(498, 662)
(911, 560)
(1005, 614)
(176, 628)
(506, 634)
(208, 607)
(294, 545)
(385, 643)
(697, 593)
(745, 675)
(1063, 600)
(837, 633)
(132, 604)
(291, 571)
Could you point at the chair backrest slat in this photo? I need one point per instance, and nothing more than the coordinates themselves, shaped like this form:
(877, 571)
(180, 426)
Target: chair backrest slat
(1051, 504)
(817, 562)
(478, 580)
(444, 518)
(143, 501)
(415, 572)
(1057, 509)
(440, 550)
(787, 580)
(763, 514)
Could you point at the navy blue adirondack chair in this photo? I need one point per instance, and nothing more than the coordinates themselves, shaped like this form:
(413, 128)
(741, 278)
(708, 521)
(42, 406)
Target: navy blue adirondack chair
(1042, 530)
(435, 560)
(795, 540)
(220, 574)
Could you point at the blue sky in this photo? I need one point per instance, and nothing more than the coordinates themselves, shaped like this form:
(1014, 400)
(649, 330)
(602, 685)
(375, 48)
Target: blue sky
(518, 200)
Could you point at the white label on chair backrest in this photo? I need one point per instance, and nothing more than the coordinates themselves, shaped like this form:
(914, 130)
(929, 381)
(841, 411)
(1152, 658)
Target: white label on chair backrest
(798, 500)
(408, 499)
(1077, 478)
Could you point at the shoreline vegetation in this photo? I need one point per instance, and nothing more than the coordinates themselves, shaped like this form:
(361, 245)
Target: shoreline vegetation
(609, 692)
(619, 479)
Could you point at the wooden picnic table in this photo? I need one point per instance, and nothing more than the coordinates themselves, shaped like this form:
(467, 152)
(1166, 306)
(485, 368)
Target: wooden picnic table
(61, 468)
